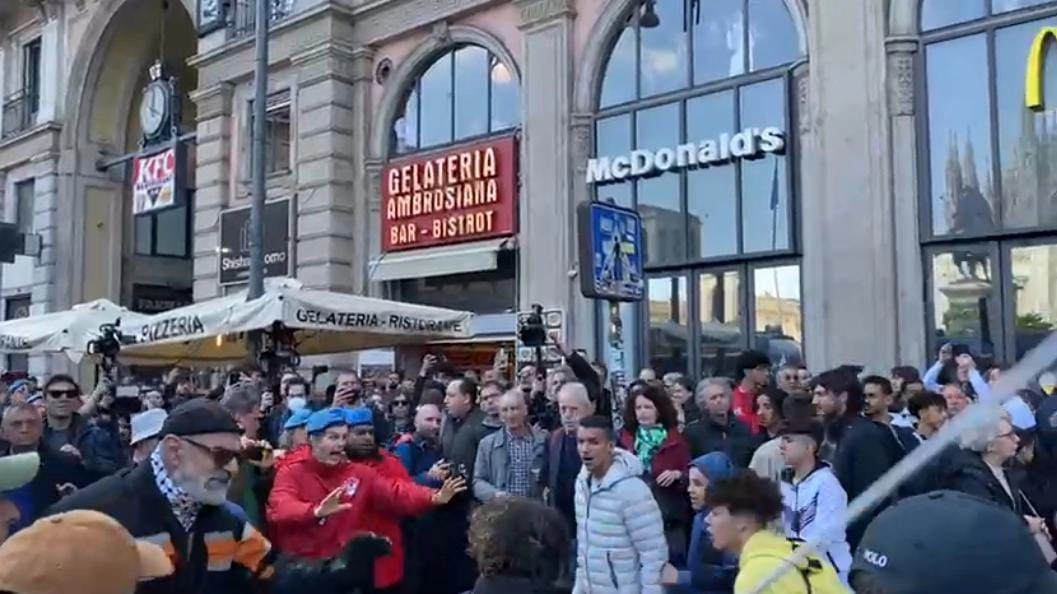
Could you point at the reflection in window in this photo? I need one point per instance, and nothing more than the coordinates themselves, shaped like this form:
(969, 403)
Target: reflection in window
(172, 232)
(1000, 6)
(1034, 277)
(728, 37)
(663, 60)
(764, 194)
(720, 319)
(718, 41)
(962, 186)
(669, 337)
(940, 13)
(471, 105)
(772, 34)
(1027, 140)
(464, 93)
(711, 195)
(613, 137)
(659, 197)
(778, 313)
(964, 299)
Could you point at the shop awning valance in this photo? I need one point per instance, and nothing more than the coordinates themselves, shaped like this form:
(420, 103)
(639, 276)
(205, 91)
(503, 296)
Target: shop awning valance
(66, 331)
(439, 261)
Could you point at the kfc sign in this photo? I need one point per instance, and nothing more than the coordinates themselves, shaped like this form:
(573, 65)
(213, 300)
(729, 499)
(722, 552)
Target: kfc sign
(156, 181)
(452, 197)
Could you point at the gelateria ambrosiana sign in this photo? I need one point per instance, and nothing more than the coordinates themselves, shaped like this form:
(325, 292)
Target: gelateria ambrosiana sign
(750, 143)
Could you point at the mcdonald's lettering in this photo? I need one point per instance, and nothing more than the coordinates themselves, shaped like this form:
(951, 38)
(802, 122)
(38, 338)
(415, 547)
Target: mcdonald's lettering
(1036, 66)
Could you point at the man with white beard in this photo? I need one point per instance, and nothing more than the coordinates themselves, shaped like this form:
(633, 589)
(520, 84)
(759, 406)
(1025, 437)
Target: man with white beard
(175, 499)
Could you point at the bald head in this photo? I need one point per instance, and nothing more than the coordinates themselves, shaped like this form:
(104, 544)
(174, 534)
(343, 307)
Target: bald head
(427, 421)
(574, 404)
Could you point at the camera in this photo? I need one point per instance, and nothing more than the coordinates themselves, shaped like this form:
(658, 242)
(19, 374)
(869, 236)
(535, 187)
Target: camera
(109, 343)
(531, 330)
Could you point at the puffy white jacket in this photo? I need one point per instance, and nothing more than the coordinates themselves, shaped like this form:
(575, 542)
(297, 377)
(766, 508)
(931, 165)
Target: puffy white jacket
(619, 532)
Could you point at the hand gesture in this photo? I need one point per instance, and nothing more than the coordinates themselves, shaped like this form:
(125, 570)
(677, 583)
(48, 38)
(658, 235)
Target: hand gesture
(946, 351)
(331, 504)
(669, 575)
(440, 471)
(102, 388)
(965, 361)
(669, 477)
(452, 486)
(428, 362)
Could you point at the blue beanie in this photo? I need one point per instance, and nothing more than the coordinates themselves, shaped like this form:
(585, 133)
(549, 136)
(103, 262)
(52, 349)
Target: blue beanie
(321, 420)
(358, 416)
(297, 420)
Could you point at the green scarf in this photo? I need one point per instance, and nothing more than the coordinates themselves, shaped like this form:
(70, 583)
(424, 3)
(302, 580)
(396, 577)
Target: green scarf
(647, 441)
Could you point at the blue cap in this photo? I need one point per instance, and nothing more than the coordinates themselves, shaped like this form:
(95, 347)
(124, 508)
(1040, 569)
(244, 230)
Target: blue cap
(321, 420)
(297, 420)
(359, 416)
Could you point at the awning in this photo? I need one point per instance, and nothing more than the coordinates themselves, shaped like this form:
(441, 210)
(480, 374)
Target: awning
(439, 261)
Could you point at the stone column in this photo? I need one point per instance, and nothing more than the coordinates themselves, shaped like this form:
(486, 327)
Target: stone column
(212, 179)
(909, 278)
(326, 124)
(373, 191)
(547, 209)
(849, 254)
(367, 175)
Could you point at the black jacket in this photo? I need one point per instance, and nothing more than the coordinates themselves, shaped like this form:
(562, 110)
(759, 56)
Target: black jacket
(220, 551)
(734, 438)
(970, 475)
(498, 584)
(864, 452)
(459, 439)
(56, 469)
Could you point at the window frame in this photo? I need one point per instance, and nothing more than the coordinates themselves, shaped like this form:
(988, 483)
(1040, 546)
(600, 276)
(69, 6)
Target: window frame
(25, 226)
(188, 207)
(274, 103)
(987, 27)
(9, 302)
(1027, 13)
(31, 77)
(414, 85)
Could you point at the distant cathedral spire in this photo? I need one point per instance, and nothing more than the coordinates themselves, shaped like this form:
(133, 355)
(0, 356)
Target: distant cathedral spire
(970, 179)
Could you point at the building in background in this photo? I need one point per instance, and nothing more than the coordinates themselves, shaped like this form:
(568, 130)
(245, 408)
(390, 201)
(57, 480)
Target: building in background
(837, 185)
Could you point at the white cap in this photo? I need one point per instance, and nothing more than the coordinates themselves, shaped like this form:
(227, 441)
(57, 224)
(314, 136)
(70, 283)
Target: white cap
(146, 425)
(296, 403)
(1020, 414)
(1048, 379)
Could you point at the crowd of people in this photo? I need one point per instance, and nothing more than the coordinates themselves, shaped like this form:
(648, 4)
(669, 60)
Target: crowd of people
(531, 481)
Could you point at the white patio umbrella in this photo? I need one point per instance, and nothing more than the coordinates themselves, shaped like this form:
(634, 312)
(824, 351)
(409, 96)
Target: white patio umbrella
(66, 331)
(322, 322)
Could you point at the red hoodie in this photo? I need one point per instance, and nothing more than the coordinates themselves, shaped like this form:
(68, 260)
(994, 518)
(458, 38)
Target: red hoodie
(389, 570)
(302, 483)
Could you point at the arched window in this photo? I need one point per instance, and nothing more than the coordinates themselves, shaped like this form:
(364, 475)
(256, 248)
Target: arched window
(670, 45)
(988, 184)
(464, 93)
(721, 255)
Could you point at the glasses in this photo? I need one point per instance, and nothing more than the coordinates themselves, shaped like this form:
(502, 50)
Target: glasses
(63, 394)
(401, 403)
(221, 456)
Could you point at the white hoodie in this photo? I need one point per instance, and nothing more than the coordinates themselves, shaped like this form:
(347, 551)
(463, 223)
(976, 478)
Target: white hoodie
(815, 506)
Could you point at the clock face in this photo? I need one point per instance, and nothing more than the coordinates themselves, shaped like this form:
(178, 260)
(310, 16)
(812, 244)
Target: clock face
(154, 108)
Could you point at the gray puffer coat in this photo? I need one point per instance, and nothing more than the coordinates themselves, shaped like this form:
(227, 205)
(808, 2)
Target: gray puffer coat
(619, 532)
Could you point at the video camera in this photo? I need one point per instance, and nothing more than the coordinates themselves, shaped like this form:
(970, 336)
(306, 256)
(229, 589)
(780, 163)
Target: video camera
(108, 345)
(531, 331)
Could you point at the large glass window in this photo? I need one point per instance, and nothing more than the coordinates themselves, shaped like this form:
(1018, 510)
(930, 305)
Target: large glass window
(990, 197)
(671, 45)
(711, 229)
(464, 93)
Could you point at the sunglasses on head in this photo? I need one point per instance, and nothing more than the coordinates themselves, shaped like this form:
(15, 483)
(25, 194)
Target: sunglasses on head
(221, 456)
(63, 394)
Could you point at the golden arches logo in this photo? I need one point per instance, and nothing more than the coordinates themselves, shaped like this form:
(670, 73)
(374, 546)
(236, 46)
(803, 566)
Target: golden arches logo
(1036, 68)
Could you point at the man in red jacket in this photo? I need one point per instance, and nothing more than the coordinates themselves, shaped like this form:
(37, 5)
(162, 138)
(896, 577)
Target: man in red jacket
(320, 502)
(364, 452)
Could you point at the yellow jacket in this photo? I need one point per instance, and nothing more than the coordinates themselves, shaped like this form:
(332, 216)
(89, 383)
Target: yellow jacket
(765, 552)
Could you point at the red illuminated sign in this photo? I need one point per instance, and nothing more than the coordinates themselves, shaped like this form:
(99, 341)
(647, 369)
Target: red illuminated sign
(156, 181)
(451, 197)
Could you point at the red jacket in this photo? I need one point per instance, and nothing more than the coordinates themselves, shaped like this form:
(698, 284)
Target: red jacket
(389, 570)
(301, 484)
(674, 453)
(743, 404)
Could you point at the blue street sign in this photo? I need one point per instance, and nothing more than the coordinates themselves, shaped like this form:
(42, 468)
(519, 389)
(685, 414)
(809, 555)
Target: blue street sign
(611, 252)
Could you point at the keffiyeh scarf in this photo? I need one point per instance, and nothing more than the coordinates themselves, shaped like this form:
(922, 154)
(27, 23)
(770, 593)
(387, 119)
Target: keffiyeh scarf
(184, 507)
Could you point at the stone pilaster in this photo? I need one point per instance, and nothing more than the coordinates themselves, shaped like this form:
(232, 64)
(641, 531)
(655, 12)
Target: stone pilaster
(212, 183)
(368, 178)
(373, 192)
(327, 154)
(548, 190)
(909, 282)
(845, 197)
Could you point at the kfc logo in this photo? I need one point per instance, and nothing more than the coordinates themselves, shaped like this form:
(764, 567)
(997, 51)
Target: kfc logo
(154, 181)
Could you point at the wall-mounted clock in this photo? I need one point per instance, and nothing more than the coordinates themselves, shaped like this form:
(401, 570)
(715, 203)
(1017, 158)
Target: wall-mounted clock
(154, 108)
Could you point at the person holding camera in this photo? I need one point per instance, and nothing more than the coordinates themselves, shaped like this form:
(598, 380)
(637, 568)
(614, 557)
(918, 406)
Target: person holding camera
(349, 393)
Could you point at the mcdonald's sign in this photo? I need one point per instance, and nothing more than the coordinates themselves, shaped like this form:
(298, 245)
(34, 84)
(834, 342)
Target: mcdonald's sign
(1036, 66)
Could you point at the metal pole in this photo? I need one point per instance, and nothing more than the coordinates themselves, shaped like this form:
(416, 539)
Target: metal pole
(260, 97)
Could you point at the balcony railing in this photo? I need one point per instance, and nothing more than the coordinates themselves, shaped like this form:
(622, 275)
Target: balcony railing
(20, 111)
(242, 20)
